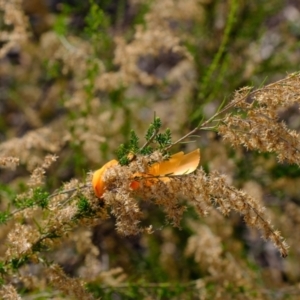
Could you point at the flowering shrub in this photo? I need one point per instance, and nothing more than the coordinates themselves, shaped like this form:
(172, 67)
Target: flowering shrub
(79, 87)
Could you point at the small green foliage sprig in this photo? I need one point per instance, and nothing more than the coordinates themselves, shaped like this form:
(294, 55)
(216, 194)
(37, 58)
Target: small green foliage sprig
(46, 231)
(154, 140)
(4, 216)
(97, 24)
(39, 198)
(84, 208)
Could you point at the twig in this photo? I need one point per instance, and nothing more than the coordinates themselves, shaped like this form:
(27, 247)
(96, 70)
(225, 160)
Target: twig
(70, 190)
(220, 112)
(149, 285)
(150, 140)
(53, 195)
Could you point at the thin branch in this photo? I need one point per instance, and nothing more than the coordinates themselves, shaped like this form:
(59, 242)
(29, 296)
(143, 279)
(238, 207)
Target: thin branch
(70, 190)
(150, 285)
(225, 109)
(51, 196)
(67, 44)
(150, 140)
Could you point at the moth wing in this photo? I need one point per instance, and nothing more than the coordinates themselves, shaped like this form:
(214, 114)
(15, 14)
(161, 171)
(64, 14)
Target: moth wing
(168, 166)
(188, 163)
(97, 182)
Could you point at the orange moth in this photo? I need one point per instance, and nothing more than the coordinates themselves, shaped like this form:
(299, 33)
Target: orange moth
(177, 164)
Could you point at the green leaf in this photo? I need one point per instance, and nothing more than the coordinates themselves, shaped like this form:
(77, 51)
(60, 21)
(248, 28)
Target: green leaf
(134, 142)
(16, 263)
(84, 208)
(157, 123)
(150, 132)
(147, 150)
(4, 216)
(122, 154)
(2, 268)
(41, 197)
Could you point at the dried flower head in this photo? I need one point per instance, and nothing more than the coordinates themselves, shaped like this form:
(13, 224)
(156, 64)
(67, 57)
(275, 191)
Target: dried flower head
(8, 292)
(197, 188)
(9, 162)
(14, 17)
(257, 125)
(69, 286)
(37, 176)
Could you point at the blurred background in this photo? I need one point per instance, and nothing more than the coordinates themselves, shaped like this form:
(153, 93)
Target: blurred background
(77, 76)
